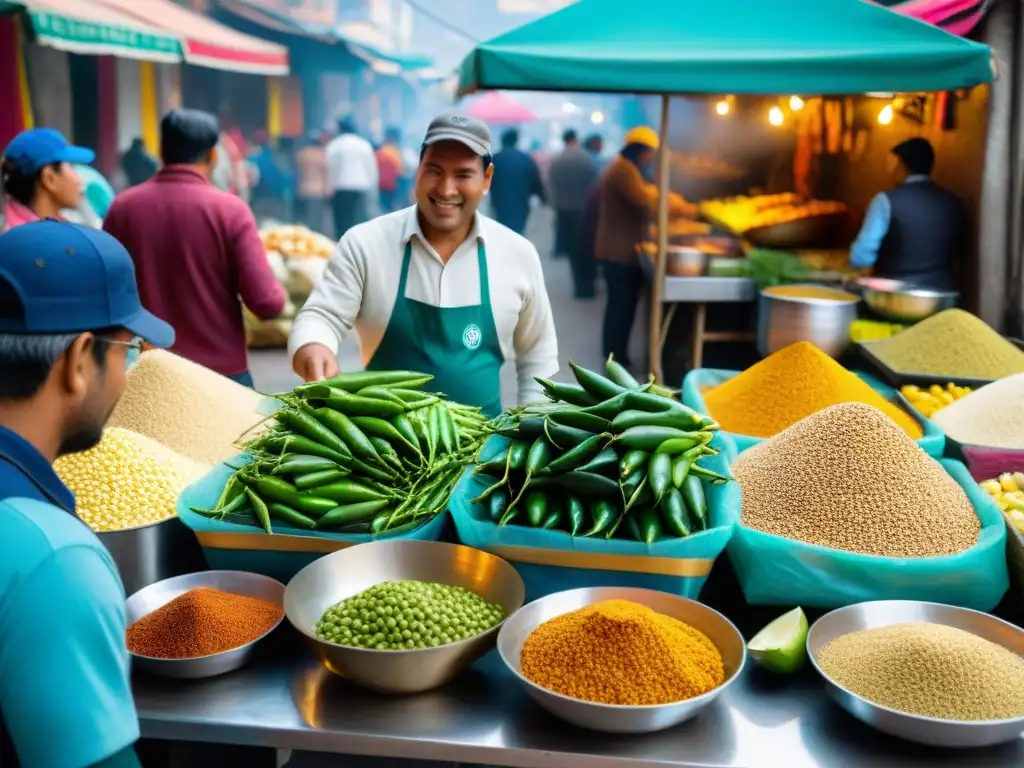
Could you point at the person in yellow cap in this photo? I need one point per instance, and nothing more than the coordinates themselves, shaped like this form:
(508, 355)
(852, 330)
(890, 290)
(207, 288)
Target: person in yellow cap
(626, 202)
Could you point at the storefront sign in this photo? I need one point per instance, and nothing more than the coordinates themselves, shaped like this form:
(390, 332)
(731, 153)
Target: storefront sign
(76, 36)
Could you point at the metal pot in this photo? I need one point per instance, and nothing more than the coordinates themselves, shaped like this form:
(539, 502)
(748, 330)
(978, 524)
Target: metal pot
(785, 320)
(152, 553)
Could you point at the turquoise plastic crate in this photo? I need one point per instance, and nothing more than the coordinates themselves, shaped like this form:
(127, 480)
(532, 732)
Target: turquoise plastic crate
(932, 442)
(230, 546)
(552, 561)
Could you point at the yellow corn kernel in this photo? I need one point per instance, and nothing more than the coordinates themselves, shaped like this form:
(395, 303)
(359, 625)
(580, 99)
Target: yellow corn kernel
(910, 391)
(1007, 483)
(992, 488)
(935, 390)
(946, 398)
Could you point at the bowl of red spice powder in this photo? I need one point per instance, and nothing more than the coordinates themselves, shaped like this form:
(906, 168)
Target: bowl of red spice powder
(201, 624)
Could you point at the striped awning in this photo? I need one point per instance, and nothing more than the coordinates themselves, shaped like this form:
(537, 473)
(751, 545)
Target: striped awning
(206, 42)
(957, 17)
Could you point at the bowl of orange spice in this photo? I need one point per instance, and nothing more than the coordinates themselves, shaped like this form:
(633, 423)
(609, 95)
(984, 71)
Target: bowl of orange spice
(621, 660)
(201, 624)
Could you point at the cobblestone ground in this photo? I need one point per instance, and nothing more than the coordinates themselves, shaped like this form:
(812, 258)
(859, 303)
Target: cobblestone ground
(578, 324)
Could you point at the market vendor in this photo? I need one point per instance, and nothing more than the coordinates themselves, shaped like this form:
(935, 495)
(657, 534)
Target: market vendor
(437, 287)
(69, 313)
(626, 202)
(915, 231)
(38, 176)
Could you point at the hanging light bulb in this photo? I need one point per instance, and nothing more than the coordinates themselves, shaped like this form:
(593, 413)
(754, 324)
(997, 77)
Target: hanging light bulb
(722, 108)
(796, 103)
(885, 115)
(775, 116)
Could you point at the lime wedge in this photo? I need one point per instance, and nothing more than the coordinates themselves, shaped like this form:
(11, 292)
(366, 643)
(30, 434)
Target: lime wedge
(781, 646)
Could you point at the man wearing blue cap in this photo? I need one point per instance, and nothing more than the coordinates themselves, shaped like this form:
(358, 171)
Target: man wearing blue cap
(38, 176)
(69, 314)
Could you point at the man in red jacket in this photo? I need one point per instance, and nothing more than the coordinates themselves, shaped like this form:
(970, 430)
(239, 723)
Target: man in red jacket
(197, 252)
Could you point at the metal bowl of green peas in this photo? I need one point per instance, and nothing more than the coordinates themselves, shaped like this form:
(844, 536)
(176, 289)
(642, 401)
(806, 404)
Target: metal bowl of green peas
(448, 629)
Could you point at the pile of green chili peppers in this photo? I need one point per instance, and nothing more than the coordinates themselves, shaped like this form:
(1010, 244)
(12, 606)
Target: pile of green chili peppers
(607, 457)
(366, 452)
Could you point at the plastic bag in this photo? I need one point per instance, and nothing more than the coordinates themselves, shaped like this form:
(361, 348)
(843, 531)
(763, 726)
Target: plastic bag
(773, 570)
(232, 546)
(552, 561)
(698, 381)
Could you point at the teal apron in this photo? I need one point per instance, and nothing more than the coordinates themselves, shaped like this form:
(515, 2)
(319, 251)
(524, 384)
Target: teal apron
(458, 346)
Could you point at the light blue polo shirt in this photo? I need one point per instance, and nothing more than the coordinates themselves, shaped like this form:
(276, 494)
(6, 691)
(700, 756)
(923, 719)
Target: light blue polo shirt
(65, 694)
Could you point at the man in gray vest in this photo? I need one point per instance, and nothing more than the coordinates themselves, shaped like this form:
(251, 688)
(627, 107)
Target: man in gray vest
(916, 231)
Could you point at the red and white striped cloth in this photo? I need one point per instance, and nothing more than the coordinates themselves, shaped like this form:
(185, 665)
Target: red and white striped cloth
(955, 16)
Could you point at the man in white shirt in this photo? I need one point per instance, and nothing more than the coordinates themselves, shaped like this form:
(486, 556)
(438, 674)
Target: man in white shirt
(352, 176)
(438, 287)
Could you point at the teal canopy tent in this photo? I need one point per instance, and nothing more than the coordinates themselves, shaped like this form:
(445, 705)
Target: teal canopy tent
(804, 47)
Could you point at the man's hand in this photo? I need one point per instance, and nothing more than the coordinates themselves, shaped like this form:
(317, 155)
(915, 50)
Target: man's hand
(315, 362)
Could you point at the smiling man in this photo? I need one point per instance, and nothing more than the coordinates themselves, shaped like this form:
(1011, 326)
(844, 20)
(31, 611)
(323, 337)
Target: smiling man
(437, 287)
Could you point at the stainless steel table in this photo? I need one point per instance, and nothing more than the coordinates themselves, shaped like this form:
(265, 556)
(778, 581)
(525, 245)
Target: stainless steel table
(484, 718)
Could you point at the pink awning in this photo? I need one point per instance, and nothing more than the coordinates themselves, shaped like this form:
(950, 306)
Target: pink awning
(205, 42)
(495, 107)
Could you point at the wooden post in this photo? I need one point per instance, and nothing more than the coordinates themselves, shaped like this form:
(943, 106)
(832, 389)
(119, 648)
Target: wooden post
(658, 281)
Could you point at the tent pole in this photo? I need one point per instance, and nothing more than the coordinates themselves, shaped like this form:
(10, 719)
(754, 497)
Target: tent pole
(654, 340)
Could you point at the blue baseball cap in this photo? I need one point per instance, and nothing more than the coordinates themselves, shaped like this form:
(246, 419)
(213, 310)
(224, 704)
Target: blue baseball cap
(33, 150)
(72, 279)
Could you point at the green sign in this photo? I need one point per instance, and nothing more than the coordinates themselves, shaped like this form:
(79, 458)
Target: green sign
(69, 34)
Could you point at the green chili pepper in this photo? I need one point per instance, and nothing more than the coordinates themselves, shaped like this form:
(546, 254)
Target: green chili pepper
(618, 373)
(601, 387)
(382, 472)
(387, 452)
(348, 492)
(586, 484)
(631, 462)
(412, 385)
(712, 477)
(276, 489)
(233, 488)
(696, 501)
(553, 519)
(678, 419)
(385, 430)
(675, 446)
(342, 426)
(609, 407)
(259, 508)
(681, 469)
(630, 484)
(401, 530)
(497, 504)
(580, 420)
(646, 401)
(517, 455)
(288, 515)
(383, 395)
(357, 380)
(355, 405)
(650, 525)
(577, 514)
(563, 437)
(605, 460)
(414, 398)
(448, 430)
(309, 426)
(351, 513)
(232, 506)
(633, 526)
(537, 458)
(567, 393)
(536, 508)
(577, 456)
(529, 428)
(313, 479)
(404, 427)
(673, 513)
(659, 474)
(660, 391)
(602, 515)
(650, 438)
(434, 430)
(493, 466)
(297, 464)
(297, 445)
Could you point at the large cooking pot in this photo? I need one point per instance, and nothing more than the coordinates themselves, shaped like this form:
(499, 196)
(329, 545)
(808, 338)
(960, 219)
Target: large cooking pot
(821, 315)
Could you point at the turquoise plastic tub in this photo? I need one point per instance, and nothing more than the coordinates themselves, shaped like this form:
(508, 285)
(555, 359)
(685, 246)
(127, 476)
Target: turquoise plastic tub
(932, 442)
(773, 570)
(234, 547)
(552, 561)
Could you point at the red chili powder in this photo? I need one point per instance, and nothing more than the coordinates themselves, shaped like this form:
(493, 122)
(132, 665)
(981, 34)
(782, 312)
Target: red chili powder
(201, 622)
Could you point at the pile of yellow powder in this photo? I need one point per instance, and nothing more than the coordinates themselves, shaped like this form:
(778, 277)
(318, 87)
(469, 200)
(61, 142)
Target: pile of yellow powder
(790, 385)
(620, 652)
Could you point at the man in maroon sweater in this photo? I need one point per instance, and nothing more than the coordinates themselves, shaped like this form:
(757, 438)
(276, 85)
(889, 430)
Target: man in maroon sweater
(197, 251)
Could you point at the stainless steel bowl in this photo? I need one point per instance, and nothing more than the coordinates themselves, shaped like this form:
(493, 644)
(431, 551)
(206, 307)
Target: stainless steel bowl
(613, 718)
(785, 320)
(923, 730)
(904, 302)
(154, 552)
(342, 574)
(158, 595)
(685, 261)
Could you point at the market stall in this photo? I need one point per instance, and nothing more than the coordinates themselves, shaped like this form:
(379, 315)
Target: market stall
(814, 50)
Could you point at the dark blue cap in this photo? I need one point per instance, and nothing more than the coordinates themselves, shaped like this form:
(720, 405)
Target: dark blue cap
(72, 279)
(33, 150)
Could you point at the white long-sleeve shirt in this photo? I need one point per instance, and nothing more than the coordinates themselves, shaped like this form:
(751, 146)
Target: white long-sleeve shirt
(360, 284)
(351, 164)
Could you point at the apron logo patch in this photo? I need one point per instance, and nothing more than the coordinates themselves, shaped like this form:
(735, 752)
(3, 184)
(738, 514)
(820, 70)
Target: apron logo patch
(471, 337)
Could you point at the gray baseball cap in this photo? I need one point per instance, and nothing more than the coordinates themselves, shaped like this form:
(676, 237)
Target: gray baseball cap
(460, 127)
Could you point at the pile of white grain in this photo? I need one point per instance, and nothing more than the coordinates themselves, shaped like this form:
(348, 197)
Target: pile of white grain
(186, 407)
(991, 416)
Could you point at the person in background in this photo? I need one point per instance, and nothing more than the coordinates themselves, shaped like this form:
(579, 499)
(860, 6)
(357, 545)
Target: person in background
(516, 182)
(571, 175)
(389, 170)
(406, 182)
(627, 201)
(594, 144)
(69, 314)
(270, 193)
(351, 177)
(438, 287)
(311, 161)
(587, 274)
(97, 197)
(196, 249)
(38, 176)
(138, 165)
(917, 230)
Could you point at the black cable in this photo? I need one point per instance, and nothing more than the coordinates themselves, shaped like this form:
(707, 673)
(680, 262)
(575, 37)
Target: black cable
(443, 22)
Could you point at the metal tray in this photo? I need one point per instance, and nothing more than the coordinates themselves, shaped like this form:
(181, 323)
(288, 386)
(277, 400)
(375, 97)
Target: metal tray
(799, 233)
(900, 378)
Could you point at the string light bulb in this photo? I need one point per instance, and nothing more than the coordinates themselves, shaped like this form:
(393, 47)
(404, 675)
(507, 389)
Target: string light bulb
(885, 115)
(775, 116)
(796, 103)
(722, 108)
